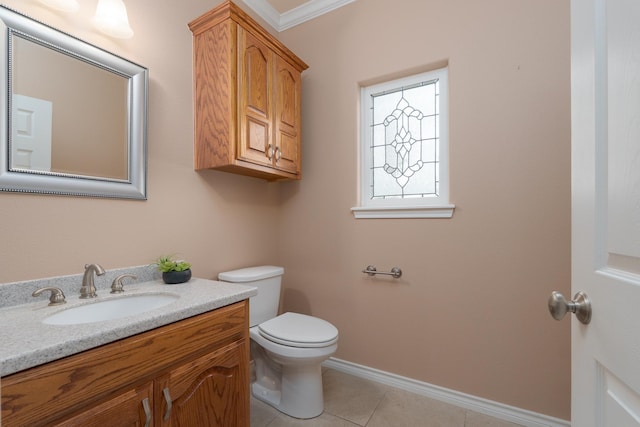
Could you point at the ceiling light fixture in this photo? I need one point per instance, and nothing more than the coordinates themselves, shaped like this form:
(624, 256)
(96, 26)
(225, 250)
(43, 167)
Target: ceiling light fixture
(63, 5)
(111, 18)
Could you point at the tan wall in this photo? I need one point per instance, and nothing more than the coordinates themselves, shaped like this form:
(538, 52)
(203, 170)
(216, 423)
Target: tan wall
(470, 311)
(218, 221)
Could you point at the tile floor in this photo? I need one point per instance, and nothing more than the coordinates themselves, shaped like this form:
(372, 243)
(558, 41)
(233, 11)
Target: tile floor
(355, 402)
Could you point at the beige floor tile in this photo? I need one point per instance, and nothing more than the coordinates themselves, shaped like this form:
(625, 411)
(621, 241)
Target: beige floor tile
(475, 419)
(324, 420)
(349, 397)
(403, 409)
(261, 413)
(355, 402)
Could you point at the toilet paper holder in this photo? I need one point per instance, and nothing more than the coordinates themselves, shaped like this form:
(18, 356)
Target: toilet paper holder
(395, 272)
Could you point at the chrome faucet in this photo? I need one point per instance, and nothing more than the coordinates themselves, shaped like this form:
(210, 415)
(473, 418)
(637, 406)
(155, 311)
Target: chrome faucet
(88, 289)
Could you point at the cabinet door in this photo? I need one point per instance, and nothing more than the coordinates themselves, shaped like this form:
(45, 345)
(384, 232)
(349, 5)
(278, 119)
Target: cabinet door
(287, 117)
(132, 408)
(210, 391)
(255, 66)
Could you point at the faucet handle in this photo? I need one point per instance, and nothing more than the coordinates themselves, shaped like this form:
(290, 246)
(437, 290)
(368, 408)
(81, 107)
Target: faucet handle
(56, 298)
(117, 286)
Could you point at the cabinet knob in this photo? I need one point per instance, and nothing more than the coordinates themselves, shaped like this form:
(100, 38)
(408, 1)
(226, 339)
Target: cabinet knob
(270, 151)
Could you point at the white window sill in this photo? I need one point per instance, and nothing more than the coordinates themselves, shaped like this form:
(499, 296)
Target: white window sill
(441, 211)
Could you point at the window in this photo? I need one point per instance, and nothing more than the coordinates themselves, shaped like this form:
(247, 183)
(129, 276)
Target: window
(404, 148)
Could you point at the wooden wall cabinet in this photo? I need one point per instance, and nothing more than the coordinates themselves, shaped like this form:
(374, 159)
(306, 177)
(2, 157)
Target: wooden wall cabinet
(247, 97)
(191, 373)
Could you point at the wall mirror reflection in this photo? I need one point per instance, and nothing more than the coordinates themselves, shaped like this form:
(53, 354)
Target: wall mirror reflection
(89, 134)
(74, 115)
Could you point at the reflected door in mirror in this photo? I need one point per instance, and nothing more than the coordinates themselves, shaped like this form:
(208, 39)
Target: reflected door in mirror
(31, 133)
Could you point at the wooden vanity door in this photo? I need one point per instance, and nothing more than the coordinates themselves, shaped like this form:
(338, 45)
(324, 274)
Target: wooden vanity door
(210, 391)
(288, 89)
(255, 66)
(125, 409)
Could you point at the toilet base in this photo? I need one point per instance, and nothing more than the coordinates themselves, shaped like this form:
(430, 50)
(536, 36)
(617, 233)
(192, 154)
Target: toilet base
(299, 393)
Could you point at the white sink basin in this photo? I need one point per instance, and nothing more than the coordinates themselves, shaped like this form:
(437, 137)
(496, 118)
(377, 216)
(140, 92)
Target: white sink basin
(110, 309)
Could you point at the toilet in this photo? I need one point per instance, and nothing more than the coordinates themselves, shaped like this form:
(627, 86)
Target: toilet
(286, 350)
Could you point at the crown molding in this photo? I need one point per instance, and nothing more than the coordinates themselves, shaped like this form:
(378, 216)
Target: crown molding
(266, 12)
(305, 12)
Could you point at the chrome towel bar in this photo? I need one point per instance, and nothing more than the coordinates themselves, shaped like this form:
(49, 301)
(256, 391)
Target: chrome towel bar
(395, 272)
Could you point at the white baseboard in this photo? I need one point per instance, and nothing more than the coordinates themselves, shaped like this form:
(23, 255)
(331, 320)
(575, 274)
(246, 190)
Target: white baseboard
(477, 404)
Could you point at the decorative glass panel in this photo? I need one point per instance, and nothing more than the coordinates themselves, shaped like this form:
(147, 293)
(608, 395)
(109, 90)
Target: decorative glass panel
(405, 142)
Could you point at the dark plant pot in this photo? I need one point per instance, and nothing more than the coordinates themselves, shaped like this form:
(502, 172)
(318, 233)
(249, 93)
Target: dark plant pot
(175, 277)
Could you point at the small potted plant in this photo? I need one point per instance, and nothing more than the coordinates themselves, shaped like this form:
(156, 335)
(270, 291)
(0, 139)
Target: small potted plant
(173, 271)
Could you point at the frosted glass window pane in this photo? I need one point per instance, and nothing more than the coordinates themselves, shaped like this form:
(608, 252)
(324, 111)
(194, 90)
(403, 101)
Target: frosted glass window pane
(405, 125)
(422, 98)
(384, 184)
(424, 182)
(391, 156)
(390, 132)
(429, 127)
(379, 135)
(384, 105)
(415, 129)
(429, 150)
(378, 156)
(403, 118)
(415, 155)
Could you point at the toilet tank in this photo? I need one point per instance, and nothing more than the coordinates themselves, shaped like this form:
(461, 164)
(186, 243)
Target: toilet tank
(268, 280)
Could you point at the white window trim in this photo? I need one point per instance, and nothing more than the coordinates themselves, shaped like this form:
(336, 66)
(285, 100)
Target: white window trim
(444, 211)
(436, 207)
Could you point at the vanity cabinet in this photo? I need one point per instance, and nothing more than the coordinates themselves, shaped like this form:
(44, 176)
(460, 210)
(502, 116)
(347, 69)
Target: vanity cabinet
(247, 97)
(191, 373)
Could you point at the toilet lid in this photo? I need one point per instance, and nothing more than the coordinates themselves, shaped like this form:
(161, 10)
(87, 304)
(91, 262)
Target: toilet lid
(299, 330)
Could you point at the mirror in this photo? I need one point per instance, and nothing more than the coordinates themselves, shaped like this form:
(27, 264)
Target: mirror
(73, 116)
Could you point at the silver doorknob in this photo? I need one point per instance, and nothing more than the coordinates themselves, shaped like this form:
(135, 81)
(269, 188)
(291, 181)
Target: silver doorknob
(580, 306)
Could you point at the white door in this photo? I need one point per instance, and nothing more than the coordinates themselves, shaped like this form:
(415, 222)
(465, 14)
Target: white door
(605, 96)
(30, 133)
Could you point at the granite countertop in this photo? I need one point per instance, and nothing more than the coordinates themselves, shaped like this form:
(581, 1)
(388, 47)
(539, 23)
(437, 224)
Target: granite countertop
(27, 342)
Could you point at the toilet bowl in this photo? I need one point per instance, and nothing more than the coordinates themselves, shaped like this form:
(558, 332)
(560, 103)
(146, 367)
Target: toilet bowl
(286, 350)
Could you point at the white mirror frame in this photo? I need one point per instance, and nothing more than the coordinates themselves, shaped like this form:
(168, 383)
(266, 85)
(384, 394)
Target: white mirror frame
(134, 187)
